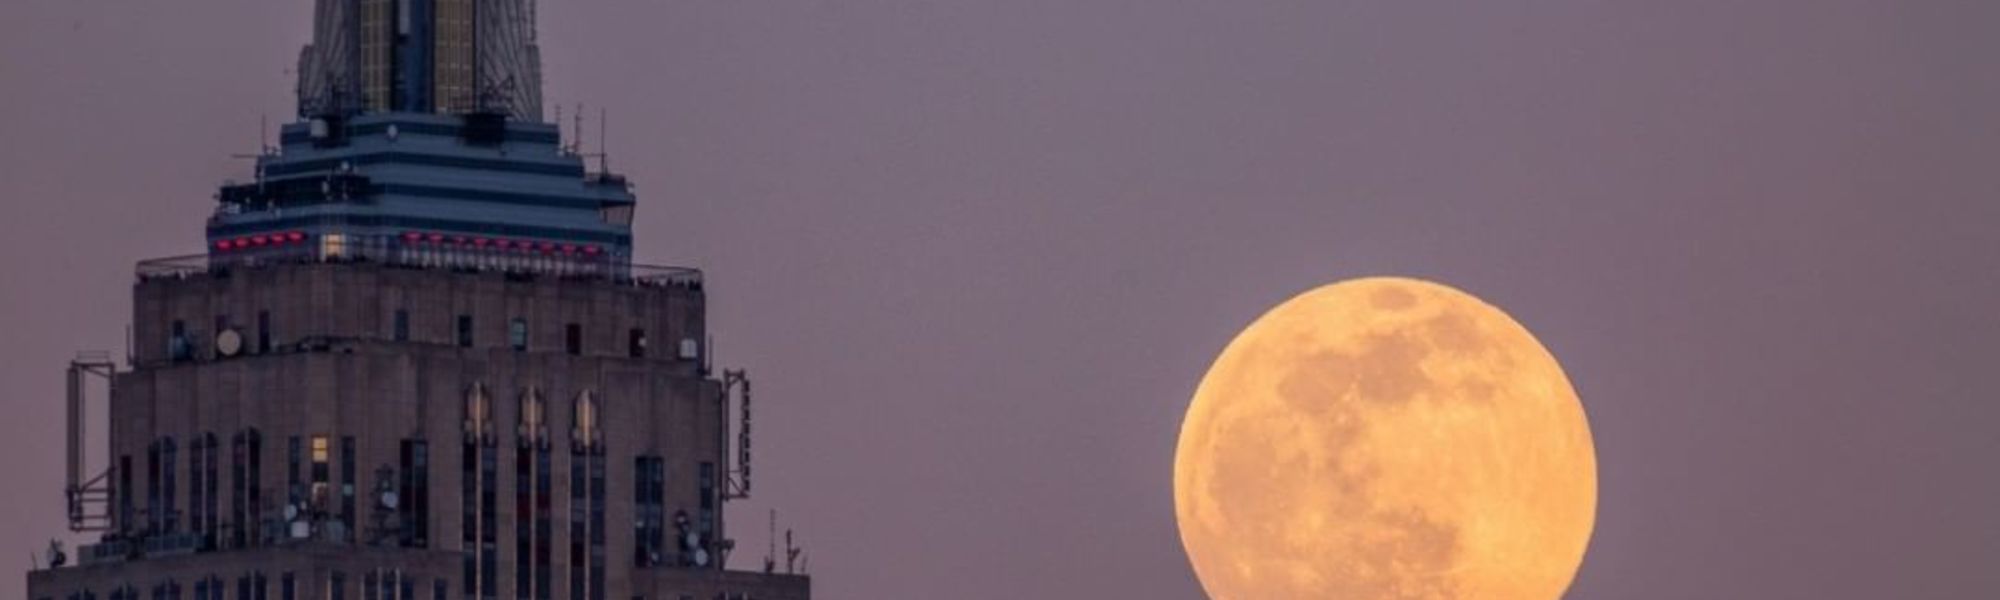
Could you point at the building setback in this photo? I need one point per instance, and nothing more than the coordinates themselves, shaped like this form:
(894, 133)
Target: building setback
(415, 362)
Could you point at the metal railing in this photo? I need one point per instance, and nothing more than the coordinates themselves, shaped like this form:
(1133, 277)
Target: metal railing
(392, 252)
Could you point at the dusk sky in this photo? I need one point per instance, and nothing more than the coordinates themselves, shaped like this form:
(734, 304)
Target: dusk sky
(977, 254)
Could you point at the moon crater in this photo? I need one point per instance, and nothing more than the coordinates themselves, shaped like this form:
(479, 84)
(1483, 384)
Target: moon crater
(1385, 438)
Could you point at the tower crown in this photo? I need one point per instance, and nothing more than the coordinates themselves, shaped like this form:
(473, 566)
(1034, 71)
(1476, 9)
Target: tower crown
(429, 56)
(420, 141)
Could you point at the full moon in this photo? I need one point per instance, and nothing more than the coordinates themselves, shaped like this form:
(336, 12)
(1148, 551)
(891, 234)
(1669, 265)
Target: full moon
(1385, 438)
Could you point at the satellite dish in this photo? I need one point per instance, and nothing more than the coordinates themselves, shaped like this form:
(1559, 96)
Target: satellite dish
(291, 512)
(389, 499)
(700, 558)
(301, 530)
(693, 540)
(228, 343)
(393, 132)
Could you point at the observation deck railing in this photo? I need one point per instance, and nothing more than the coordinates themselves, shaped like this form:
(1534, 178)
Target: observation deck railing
(394, 253)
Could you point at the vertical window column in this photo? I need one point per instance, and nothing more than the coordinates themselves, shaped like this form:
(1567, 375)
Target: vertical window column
(239, 518)
(295, 484)
(597, 536)
(524, 532)
(197, 521)
(214, 483)
(489, 521)
(123, 489)
(153, 507)
(255, 488)
(468, 509)
(320, 491)
(705, 526)
(415, 493)
(348, 485)
(649, 497)
(169, 454)
(579, 510)
(544, 526)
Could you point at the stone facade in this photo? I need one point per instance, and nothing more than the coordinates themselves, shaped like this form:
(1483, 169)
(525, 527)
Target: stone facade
(448, 434)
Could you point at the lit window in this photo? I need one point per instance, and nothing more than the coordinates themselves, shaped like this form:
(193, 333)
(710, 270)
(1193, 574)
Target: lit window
(321, 473)
(517, 334)
(333, 245)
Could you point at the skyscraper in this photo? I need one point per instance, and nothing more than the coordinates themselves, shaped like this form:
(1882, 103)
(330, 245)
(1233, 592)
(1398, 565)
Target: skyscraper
(415, 361)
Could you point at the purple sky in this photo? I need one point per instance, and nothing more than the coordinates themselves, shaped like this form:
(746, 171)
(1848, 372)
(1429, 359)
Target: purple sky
(977, 254)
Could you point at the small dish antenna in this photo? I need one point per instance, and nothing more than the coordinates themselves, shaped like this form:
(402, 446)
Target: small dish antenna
(229, 343)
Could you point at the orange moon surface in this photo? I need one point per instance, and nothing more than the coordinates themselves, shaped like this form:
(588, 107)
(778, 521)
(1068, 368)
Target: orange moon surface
(1385, 438)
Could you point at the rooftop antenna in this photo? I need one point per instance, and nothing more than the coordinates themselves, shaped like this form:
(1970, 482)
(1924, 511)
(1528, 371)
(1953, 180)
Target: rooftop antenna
(771, 555)
(559, 143)
(578, 131)
(263, 147)
(603, 137)
(792, 556)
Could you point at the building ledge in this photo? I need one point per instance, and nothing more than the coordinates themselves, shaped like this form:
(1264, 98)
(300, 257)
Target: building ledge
(528, 265)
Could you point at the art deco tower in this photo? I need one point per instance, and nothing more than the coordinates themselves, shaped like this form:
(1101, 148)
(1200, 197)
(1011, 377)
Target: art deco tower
(416, 361)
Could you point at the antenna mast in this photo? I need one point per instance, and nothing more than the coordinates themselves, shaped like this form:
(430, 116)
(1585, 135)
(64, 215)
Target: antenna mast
(771, 554)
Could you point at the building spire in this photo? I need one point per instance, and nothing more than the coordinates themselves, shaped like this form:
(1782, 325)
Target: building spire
(439, 56)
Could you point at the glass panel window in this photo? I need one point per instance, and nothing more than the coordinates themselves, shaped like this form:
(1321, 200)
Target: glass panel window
(517, 334)
(263, 331)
